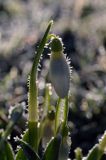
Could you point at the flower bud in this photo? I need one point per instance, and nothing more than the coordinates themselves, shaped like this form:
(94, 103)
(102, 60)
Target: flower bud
(59, 69)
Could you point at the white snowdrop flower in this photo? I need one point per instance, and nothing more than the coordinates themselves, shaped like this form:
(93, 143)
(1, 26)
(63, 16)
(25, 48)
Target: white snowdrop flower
(59, 69)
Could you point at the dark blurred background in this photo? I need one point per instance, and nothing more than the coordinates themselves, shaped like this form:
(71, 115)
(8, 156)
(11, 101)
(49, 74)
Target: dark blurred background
(82, 26)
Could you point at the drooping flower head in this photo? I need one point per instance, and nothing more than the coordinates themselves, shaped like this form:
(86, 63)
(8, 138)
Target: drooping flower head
(59, 68)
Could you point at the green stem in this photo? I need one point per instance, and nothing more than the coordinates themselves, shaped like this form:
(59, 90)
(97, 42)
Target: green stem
(47, 106)
(33, 93)
(50, 36)
(57, 115)
(64, 125)
(66, 111)
(33, 132)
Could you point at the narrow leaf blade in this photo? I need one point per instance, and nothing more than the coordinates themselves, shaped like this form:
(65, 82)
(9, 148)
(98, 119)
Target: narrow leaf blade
(52, 150)
(93, 153)
(28, 151)
(20, 155)
(6, 151)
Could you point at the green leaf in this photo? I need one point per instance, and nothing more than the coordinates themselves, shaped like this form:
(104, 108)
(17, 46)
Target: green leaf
(6, 152)
(33, 92)
(52, 150)
(32, 98)
(9, 151)
(20, 155)
(93, 153)
(28, 151)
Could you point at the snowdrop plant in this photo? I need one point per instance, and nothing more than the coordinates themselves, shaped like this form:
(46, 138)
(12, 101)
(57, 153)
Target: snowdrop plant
(47, 134)
(59, 71)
